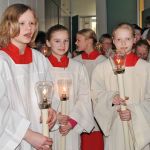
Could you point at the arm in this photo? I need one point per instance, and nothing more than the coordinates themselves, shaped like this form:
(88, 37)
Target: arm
(102, 96)
(83, 105)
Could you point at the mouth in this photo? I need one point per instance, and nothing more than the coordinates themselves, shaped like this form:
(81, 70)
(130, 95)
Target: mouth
(28, 35)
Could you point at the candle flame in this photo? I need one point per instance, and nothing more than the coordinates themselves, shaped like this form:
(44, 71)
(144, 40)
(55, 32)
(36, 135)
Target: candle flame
(44, 92)
(64, 89)
(118, 61)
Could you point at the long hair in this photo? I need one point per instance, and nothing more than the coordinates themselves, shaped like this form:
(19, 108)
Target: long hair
(9, 26)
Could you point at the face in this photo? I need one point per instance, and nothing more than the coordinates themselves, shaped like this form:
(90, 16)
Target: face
(27, 28)
(137, 35)
(142, 52)
(59, 43)
(81, 42)
(123, 40)
(106, 44)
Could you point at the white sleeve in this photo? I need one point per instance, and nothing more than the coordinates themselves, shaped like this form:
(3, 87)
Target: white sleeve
(140, 113)
(82, 111)
(102, 100)
(12, 126)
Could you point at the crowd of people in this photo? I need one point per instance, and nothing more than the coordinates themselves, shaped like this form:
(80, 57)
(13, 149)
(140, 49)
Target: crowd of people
(94, 117)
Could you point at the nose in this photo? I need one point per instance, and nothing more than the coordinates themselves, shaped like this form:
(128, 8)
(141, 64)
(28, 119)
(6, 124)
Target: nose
(123, 42)
(62, 44)
(29, 25)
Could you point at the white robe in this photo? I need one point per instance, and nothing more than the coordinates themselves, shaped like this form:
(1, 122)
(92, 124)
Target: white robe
(90, 65)
(137, 88)
(78, 106)
(18, 102)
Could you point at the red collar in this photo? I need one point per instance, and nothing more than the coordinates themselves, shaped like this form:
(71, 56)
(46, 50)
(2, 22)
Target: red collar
(63, 63)
(131, 59)
(13, 52)
(93, 55)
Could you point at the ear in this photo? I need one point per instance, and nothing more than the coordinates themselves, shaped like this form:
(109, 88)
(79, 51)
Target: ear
(48, 43)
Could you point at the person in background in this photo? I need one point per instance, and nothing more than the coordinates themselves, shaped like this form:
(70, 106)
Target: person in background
(142, 49)
(40, 43)
(20, 68)
(79, 116)
(148, 37)
(86, 41)
(138, 32)
(147, 27)
(104, 90)
(106, 44)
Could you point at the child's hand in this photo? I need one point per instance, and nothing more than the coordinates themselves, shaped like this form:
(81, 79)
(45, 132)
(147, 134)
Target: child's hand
(52, 118)
(62, 119)
(38, 141)
(125, 115)
(119, 101)
(64, 129)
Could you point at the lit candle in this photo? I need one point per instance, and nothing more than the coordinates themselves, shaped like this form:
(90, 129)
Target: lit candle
(118, 64)
(45, 128)
(64, 112)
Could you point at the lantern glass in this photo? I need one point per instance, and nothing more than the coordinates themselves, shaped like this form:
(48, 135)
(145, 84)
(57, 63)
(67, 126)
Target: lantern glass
(117, 60)
(64, 89)
(44, 92)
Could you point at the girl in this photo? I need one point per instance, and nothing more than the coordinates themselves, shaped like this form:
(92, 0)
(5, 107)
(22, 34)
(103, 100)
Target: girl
(80, 116)
(136, 84)
(20, 68)
(86, 42)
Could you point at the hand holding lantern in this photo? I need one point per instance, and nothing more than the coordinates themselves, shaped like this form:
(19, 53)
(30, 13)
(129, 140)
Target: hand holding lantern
(117, 60)
(44, 91)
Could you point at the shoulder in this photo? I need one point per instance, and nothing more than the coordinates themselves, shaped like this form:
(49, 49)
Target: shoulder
(75, 62)
(76, 66)
(78, 58)
(39, 59)
(143, 64)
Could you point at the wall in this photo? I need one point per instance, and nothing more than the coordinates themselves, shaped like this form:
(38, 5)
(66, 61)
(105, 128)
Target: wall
(101, 16)
(121, 11)
(83, 7)
(146, 4)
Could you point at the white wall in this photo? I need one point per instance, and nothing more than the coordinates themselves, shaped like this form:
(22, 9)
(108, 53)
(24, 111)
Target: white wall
(101, 15)
(38, 5)
(83, 7)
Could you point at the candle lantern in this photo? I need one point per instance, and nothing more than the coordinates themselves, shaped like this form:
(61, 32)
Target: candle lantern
(117, 60)
(63, 90)
(44, 92)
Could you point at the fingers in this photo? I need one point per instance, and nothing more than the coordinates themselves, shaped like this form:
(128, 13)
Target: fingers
(52, 118)
(125, 115)
(119, 101)
(63, 119)
(64, 129)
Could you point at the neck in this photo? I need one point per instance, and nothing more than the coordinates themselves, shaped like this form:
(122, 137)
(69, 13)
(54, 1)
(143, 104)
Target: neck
(20, 46)
(89, 50)
(57, 56)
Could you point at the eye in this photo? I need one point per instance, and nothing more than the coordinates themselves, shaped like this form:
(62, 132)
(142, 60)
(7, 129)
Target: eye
(66, 41)
(118, 40)
(21, 23)
(57, 41)
(32, 23)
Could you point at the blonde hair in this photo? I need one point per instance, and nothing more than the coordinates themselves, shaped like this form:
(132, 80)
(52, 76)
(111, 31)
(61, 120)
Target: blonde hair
(89, 34)
(9, 26)
(124, 26)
